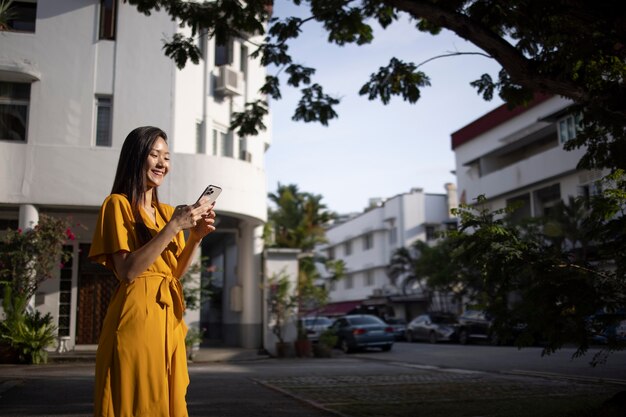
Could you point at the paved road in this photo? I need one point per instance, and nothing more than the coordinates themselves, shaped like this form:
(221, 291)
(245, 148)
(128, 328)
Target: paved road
(503, 359)
(296, 387)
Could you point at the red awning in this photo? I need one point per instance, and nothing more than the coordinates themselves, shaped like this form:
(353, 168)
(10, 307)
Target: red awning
(338, 309)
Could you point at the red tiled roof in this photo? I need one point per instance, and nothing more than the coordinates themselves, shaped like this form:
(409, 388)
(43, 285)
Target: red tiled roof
(492, 119)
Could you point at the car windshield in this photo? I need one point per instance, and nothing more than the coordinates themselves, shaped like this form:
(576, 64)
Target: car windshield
(365, 320)
(317, 321)
(444, 319)
(396, 321)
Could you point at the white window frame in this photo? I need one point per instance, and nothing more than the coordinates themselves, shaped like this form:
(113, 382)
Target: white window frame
(568, 127)
(99, 99)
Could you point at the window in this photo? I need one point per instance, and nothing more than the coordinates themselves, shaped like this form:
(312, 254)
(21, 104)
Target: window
(369, 278)
(108, 17)
(200, 142)
(546, 200)
(348, 282)
(368, 241)
(103, 121)
(243, 59)
(332, 286)
(223, 144)
(590, 190)
(393, 236)
(568, 127)
(244, 155)
(223, 51)
(347, 247)
(331, 253)
(521, 206)
(226, 144)
(431, 232)
(22, 16)
(216, 139)
(14, 102)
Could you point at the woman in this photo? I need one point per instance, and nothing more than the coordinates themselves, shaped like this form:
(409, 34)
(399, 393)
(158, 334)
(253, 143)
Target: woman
(141, 364)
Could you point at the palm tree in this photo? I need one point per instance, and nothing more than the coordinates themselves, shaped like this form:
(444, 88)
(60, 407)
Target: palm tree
(6, 14)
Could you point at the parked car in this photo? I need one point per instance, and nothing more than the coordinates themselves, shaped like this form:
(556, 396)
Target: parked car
(432, 327)
(361, 330)
(475, 325)
(608, 327)
(399, 327)
(315, 325)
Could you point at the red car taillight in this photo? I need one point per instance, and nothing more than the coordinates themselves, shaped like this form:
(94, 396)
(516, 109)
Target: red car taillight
(359, 331)
(388, 329)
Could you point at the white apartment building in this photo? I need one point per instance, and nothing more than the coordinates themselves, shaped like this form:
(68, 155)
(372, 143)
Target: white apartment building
(366, 242)
(76, 76)
(517, 156)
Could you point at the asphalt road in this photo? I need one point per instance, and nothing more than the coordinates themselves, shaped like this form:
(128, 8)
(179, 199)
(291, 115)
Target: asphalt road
(293, 387)
(504, 359)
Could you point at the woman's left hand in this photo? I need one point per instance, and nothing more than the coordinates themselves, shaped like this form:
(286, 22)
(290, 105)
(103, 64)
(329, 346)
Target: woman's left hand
(204, 226)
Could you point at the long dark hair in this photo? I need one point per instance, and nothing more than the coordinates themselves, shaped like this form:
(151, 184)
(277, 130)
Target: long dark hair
(130, 177)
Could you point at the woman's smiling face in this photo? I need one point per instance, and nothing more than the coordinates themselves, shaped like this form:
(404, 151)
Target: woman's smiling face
(158, 163)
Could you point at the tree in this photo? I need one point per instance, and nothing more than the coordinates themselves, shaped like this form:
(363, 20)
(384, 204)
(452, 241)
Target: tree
(572, 48)
(298, 221)
(544, 274)
(6, 14)
(430, 268)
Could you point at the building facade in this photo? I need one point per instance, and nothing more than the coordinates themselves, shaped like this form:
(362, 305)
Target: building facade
(75, 78)
(366, 242)
(517, 156)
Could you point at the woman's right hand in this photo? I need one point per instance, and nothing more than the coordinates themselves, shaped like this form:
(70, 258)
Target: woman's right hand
(186, 217)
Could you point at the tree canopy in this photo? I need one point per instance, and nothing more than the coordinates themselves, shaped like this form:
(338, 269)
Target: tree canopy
(571, 48)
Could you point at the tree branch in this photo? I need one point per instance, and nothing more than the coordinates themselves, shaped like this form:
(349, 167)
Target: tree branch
(451, 54)
(513, 61)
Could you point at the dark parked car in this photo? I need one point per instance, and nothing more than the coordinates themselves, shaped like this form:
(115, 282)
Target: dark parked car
(433, 327)
(315, 326)
(475, 325)
(398, 326)
(360, 330)
(608, 327)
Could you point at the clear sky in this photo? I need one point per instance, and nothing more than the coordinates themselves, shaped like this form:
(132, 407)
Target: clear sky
(373, 150)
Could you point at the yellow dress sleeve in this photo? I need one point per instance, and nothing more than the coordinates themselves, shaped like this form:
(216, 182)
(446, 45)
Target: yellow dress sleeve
(179, 239)
(114, 230)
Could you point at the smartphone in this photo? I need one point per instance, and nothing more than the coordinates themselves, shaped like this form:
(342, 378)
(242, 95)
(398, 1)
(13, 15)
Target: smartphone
(212, 191)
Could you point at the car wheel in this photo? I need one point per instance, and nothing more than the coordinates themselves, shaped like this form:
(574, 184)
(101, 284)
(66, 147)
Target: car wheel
(387, 348)
(494, 339)
(463, 337)
(345, 347)
(432, 337)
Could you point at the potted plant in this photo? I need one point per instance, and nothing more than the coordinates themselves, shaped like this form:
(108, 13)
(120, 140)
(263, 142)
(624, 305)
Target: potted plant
(326, 344)
(281, 305)
(302, 345)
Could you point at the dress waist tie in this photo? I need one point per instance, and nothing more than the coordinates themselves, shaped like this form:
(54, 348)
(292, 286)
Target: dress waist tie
(170, 296)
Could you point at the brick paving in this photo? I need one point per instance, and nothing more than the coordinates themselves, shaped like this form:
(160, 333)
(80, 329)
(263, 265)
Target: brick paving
(405, 394)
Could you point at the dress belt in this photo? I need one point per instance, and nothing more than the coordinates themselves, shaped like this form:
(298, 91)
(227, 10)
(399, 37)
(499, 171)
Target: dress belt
(170, 296)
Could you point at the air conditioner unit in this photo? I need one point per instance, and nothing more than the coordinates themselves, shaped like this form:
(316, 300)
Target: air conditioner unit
(377, 292)
(229, 81)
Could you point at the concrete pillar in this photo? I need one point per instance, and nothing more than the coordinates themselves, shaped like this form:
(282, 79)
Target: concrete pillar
(245, 297)
(29, 216)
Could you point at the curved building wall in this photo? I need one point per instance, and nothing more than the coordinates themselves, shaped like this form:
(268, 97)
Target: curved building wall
(60, 170)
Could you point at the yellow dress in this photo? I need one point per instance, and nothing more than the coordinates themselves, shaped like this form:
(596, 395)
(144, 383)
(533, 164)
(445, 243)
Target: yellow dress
(141, 363)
